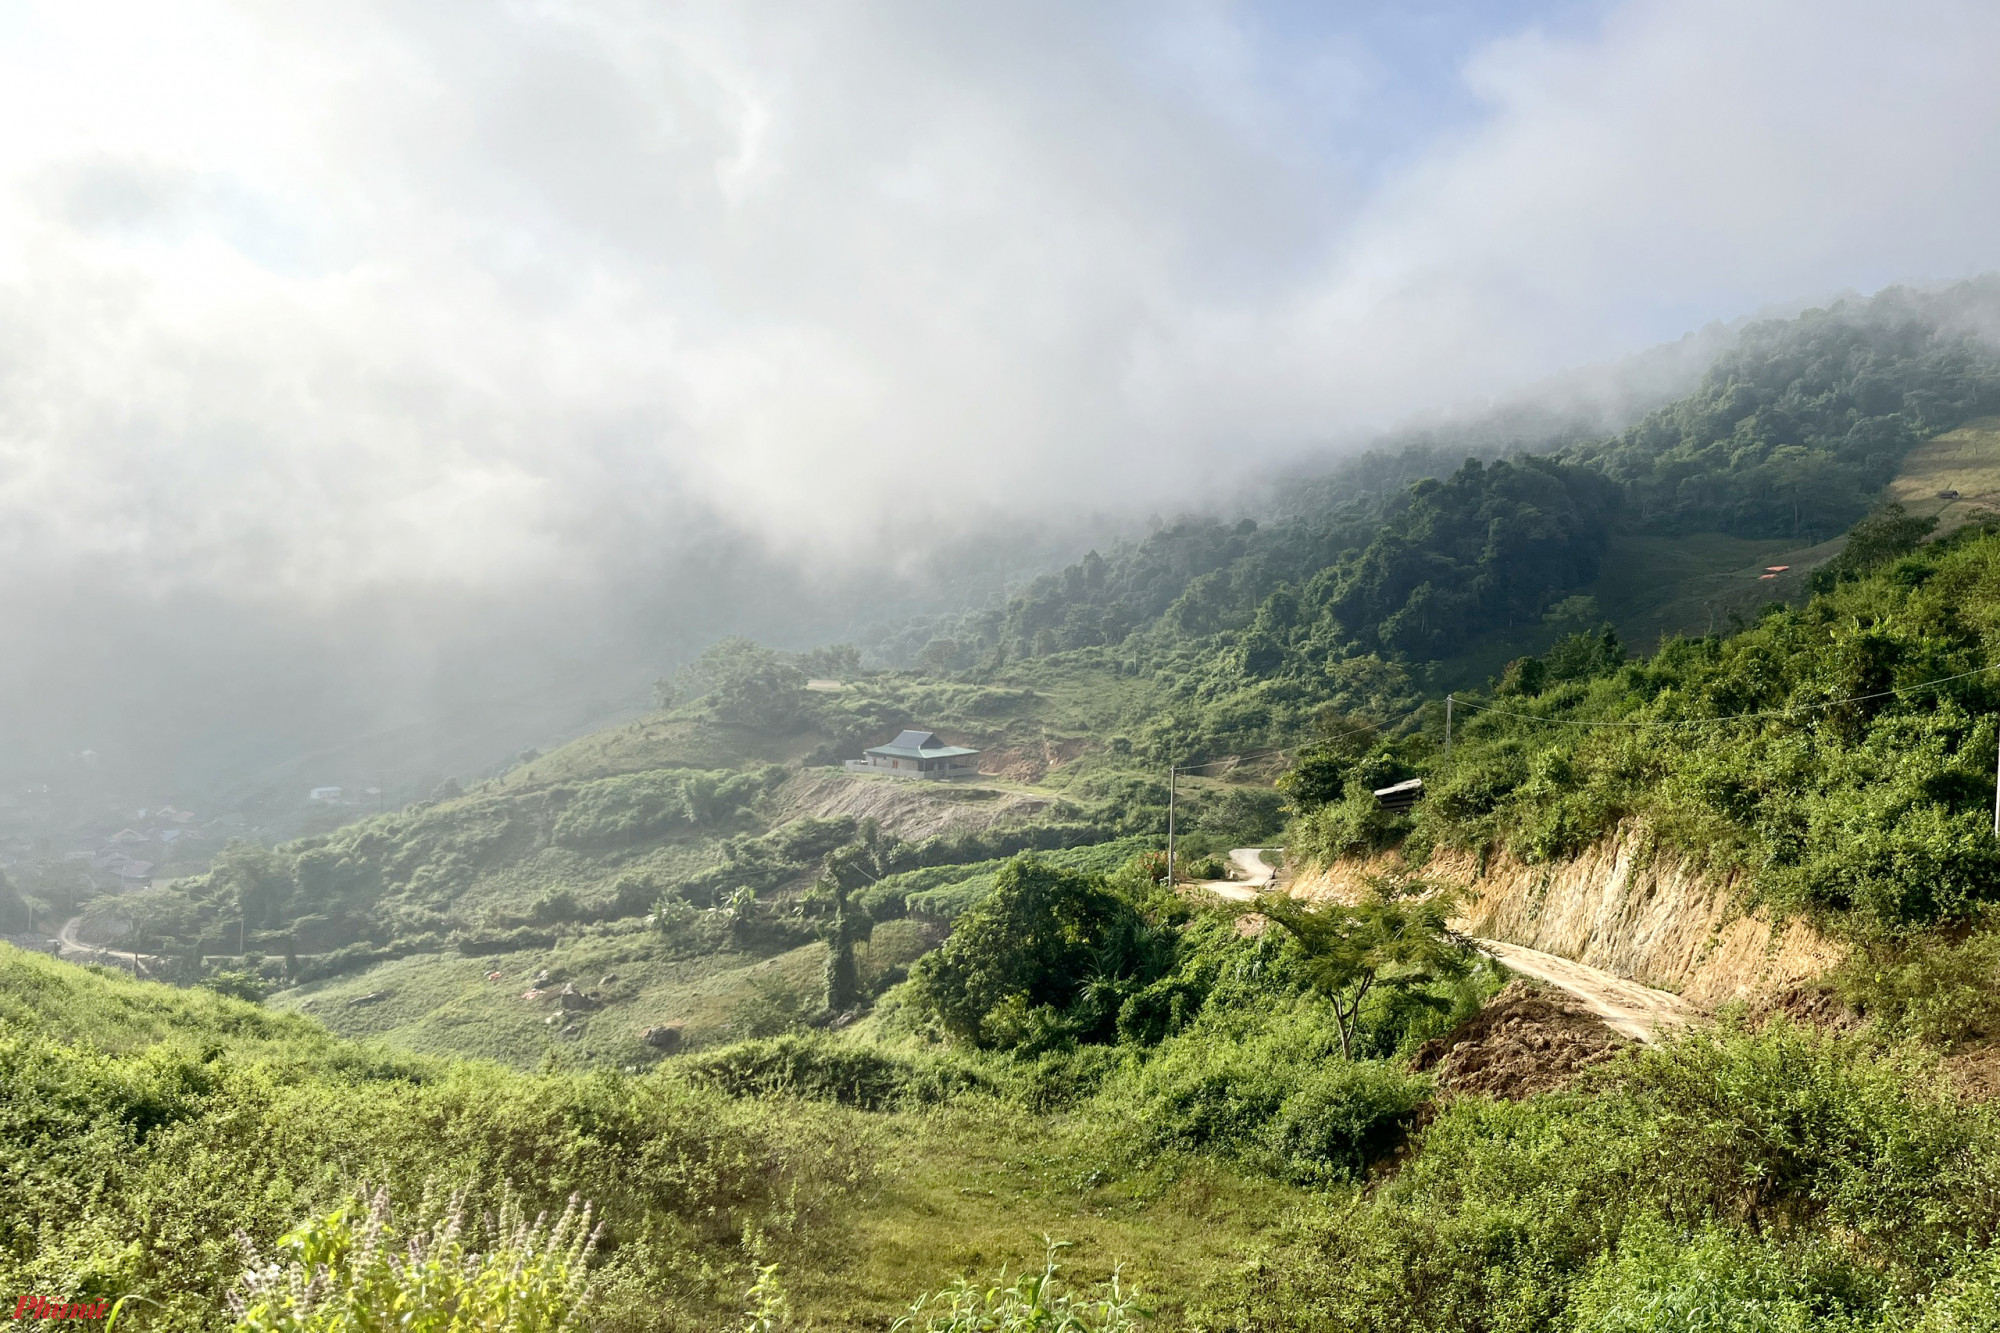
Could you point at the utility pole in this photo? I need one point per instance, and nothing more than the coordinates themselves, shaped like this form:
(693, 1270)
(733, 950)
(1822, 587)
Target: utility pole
(1448, 701)
(1170, 823)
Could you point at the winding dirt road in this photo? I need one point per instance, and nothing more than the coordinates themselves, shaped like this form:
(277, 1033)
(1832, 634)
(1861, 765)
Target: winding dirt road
(1624, 1006)
(77, 951)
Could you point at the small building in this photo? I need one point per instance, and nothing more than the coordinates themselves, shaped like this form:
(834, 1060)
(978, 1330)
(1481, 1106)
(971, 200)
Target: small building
(918, 754)
(1401, 798)
(329, 794)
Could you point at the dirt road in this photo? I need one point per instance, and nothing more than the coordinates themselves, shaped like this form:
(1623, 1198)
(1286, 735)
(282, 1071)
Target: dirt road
(76, 951)
(1257, 876)
(66, 937)
(1623, 1006)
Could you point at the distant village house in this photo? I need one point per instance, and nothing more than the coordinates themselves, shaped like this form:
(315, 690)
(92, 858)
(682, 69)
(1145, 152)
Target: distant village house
(918, 754)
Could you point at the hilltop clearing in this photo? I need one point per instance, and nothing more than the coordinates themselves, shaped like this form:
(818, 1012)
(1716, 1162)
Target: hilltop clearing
(1954, 477)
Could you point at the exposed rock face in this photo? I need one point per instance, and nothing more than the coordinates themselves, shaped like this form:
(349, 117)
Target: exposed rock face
(372, 997)
(1626, 907)
(1526, 1040)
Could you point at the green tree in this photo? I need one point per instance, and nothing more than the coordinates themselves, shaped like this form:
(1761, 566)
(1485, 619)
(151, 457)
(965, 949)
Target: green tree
(1886, 534)
(834, 661)
(747, 683)
(258, 882)
(842, 979)
(1032, 943)
(1395, 936)
(1320, 771)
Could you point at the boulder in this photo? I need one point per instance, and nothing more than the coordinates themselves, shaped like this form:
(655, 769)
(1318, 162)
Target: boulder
(571, 998)
(662, 1037)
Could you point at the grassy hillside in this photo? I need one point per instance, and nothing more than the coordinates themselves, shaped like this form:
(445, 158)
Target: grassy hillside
(1212, 1143)
(701, 853)
(1966, 460)
(143, 1126)
(766, 1012)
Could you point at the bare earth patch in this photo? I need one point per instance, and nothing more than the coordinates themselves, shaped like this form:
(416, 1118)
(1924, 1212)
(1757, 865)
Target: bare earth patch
(1975, 1073)
(1808, 1006)
(1528, 1039)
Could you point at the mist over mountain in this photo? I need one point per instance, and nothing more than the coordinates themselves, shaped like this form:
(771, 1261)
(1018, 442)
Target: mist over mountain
(361, 365)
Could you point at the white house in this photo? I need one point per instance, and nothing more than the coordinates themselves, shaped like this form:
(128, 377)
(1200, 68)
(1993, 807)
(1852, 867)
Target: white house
(324, 794)
(918, 754)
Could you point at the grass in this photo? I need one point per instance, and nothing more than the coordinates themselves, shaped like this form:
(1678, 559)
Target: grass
(442, 1004)
(1966, 460)
(257, 1120)
(658, 741)
(967, 1189)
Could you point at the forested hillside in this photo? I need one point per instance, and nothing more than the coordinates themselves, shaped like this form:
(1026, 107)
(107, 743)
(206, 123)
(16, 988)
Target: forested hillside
(1792, 433)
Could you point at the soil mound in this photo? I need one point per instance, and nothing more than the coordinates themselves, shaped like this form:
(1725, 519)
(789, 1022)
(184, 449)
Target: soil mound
(1528, 1039)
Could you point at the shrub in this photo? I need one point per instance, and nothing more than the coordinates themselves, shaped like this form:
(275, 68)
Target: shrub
(1030, 945)
(617, 811)
(1034, 1303)
(1274, 1092)
(351, 1271)
(1927, 985)
(1355, 825)
(1781, 1179)
(816, 1066)
(1718, 1281)
(239, 985)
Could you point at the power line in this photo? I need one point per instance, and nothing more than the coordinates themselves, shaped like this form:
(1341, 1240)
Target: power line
(1235, 758)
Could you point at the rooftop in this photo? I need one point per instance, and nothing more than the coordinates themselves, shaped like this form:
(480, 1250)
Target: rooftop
(920, 745)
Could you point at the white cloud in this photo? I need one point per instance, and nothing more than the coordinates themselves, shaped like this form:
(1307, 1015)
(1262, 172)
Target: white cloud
(298, 296)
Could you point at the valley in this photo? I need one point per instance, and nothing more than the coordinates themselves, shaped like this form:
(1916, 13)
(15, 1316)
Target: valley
(1669, 990)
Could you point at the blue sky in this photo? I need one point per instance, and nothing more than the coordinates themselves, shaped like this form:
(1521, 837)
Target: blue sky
(1417, 51)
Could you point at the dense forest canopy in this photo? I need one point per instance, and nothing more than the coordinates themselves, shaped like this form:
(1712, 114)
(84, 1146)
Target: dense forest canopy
(1792, 432)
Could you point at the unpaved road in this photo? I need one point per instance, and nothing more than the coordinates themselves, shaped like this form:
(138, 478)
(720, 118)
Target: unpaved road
(1257, 876)
(1624, 1006)
(76, 951)
(67, 938)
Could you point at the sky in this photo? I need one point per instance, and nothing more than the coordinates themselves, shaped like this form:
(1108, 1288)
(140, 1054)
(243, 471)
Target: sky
(301, 300)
